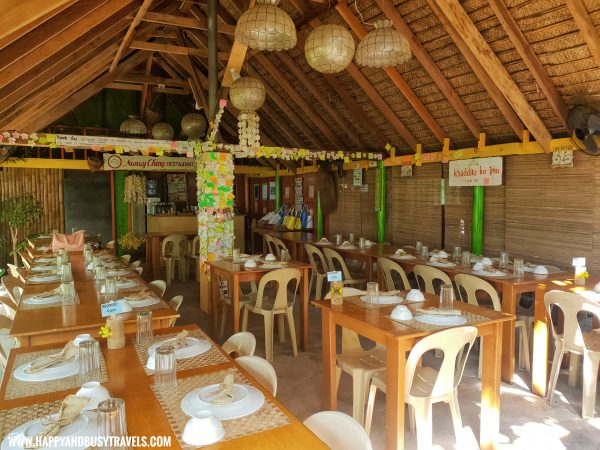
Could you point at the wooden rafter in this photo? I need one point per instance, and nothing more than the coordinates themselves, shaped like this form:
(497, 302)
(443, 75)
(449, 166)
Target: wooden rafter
(236, 59)
(455, 13)
(193, 23)
(282, 124)
(174, 49)
(144, 95)
(531, 60)
(155, 90)
(152, 80)
(130, 35)
(359, 29)
(586, 26)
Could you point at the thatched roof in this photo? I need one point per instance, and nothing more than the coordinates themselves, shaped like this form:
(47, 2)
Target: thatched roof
(54, 57)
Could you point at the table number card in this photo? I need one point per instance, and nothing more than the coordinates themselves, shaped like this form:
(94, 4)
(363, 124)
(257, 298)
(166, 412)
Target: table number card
(114, 308)
(334, 276)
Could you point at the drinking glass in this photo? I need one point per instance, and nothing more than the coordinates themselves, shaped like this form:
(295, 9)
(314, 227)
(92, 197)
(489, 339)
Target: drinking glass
(67, 289)
(165, 373)
(236, 254)
(111, 421)
(54, 230)
(88, 256)
(110, 288)
(446, 297)
(424, 252)
(89, 361)
(62, 251)
(100, 274)
(144, 326)
(418, 247)
(66, 274)
(362, 243)
(518, 269)
(351, 237)
(338, 239)
(457, 253)
(285, 255)
(337, 292)
(373, 292)
(466, 258)
(504, 259)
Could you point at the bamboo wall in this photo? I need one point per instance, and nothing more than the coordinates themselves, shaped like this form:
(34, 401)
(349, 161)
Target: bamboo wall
(46, 185)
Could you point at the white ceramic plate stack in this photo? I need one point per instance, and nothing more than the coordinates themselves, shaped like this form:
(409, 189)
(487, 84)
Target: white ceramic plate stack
(35, 269)
(57, 371)
(325, 242)
(406, 256)
(33, 300)
(434, 319)
(272, 265)
(447, 265)
(385, 299)
(246, 400)
(44, 278)
(485, 273)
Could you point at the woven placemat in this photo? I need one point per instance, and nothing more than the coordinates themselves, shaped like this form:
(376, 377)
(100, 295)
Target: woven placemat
(12, 418)
(160, 305)
(355, 300)
(266, 418)
(471, 318)
(17, 388)
(212, 357)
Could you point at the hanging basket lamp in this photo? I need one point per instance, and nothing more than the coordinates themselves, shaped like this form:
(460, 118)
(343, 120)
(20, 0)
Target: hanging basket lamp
(383, 47)
(162, 131)
(266, 27)
(193, 126)
(133, 127)
(248, 94)
(329, 48)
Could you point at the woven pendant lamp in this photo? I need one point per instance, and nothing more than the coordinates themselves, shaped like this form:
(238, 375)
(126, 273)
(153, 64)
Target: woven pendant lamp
(133, 127)
(266, 27)
(248, 94)
(329, 48)
(383, 47)
(193, 126)
(162, 131)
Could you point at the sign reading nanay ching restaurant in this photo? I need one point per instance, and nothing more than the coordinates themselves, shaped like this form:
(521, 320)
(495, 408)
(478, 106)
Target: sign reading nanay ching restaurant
(149, 163)
(476, 172)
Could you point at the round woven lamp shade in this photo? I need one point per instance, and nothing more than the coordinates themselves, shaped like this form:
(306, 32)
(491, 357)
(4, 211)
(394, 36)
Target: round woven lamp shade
(162, 131)
(193, 125)
(247, 94)
(383, 47)
(133, 127)
(266, 27)
(329, 48)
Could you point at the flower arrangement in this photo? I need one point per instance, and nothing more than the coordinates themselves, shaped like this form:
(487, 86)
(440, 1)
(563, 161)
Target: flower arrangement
(105, 332)
(130, 241)
(583, 275)
(135, 189)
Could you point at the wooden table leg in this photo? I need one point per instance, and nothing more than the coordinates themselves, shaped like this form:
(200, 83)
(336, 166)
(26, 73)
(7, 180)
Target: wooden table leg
(235, 285)
(490, 387)
(214, 307)
(149, 256)
(304, 314)
(156, 257)
(539, 366)
(394, 407)
(509, 305)
(329, 351)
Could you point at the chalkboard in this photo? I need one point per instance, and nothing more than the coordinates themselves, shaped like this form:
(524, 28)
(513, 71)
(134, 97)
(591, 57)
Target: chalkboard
(87, 202)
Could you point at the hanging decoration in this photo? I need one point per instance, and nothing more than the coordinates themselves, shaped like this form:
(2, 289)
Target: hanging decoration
(215, 123)
(383, 47)
(135, 189)
(248, 94)
(193, 125)
(162, 131)
(329, 48)
(266, 27)
(133, 127)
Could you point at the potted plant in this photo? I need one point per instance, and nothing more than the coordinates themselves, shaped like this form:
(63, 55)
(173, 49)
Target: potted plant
(19, 213)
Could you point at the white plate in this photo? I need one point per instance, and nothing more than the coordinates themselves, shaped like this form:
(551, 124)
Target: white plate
(118, 273)
(385, 299)
(122, 285)
(246, 400)
(107, 256)
(32, 300)
(44, 248)
(439, 264)
(84, 425)
(271, 266)
(145, 302)
(194, 347)
(483, 273)
(61, 370)
(350, 247)
(42, 268)
(441, 320)
(408, 256)
(48, 279)
(45, 259)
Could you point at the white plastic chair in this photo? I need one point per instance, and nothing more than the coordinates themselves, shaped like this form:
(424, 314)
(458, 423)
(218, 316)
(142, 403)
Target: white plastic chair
(242, 343)
(275, 245)
(319, 269)
(339, 431)
(336, 262)
(471, 285)
(175, 303)
(25, 259)
(158, 286)
(424, 386)
(359, 363)
(14, 288)
(139, 270)
(135, 264)
(174, 250)
(195, 256)
(426, 275)
(280, 306)
(227, 302)
(261, 370)
(7, 343)
(125, 259)
(388, 268)
(573, 340)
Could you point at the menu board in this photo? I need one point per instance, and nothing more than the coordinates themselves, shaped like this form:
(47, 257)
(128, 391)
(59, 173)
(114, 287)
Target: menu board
(177, 188)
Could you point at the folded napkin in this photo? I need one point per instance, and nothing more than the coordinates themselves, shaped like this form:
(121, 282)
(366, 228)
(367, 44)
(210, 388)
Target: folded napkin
(49, 294)
(69, 410)
(102, 252)
(49, 273)
(68, 352)
(389, 293)
(439, 312)
(140, 295)
(180, 341)
(224, 395)
(400, 252)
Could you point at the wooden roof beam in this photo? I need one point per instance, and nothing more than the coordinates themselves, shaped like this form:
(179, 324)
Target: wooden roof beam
(290, 134)
(175, 49)
(136, 77)
(130, 34)
(455, 14)
(155, 89)
(586, 26)
(359, 29)
(193, 23)
(531, 60)
(145, 89)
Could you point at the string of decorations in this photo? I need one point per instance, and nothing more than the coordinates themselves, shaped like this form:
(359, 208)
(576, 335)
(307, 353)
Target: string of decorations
(135, 189)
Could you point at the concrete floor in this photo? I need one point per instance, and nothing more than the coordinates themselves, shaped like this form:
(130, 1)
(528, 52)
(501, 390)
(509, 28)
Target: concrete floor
(526, 420)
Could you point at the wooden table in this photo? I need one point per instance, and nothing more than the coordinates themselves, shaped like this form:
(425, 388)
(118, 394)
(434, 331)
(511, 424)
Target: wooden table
(234, 274)
(375, 324)
(63, 322)
(145, 417)
(153, 250)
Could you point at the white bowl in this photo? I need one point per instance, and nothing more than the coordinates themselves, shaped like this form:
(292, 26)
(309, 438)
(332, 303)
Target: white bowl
(81, 337)
(487, 261)
(250, 263)
(415, 295)
(203, 429)
(270, 257)
(442, 254)
(478, 267)
(400, 252)
(540, 270)
(401, 312)
(95, 392)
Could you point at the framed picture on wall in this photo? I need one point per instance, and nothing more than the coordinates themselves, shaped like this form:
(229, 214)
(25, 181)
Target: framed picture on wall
(265, 191)
(152, 188)
(256, 191)
(272, 190)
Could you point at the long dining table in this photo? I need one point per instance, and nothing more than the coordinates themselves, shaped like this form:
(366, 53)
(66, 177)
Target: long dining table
(58, 323)
(146, 416)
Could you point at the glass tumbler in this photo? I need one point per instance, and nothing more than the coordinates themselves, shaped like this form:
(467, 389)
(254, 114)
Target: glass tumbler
(100, 274)
(88, 256)
(418, 247)
(285, 255)
(110, 288)
(457, 253)
(518, 269)
(466, 258)
(89, 361)
(424, 252)
(165, 372)
(504, 259)
(111, 421)
(236, 254)
(446, 297)
(338, 239)
(362, 243)
(67, 289)
(66, 274)
(351, 237)
(144, 326)
(373, 292)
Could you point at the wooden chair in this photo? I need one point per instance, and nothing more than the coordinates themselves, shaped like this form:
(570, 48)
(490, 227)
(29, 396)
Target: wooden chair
(388, 268)
(427, 275)
(279, 306)
(261, 370)
(159, 287)
(175, 303)
(318, 271)
(339, 431)
(242, 343)
(336, 262)
(174, 251)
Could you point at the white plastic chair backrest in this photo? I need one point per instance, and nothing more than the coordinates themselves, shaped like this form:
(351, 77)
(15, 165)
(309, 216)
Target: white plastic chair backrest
(135, 264)
(451, 342)
(279, 245)
(283, 277)
(335, 261)
(110, 244)
(339, 431)
(17, 294)
(174, 246)
(10, 284)
(139, 270)
(316, 258)
(158, 286)
(175, 302)
(126, 258)
(350, 339)
(25, 260)
(471, 285)
(261, 370)
(243, 343)
(570, 304)
(195, 251)
(271, 247)
(388, 268)
(428, 275)
(14, 271)
(9, 307)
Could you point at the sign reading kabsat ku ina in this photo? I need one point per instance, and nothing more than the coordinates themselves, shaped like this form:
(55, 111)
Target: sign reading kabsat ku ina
(149, 163)
(476, 172)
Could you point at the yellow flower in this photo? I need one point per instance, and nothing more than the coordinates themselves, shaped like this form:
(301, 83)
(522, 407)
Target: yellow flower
(105, 332)
(585, 275)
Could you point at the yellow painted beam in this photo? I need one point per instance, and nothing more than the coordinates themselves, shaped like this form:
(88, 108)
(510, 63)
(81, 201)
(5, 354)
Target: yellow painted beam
(46, 163)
